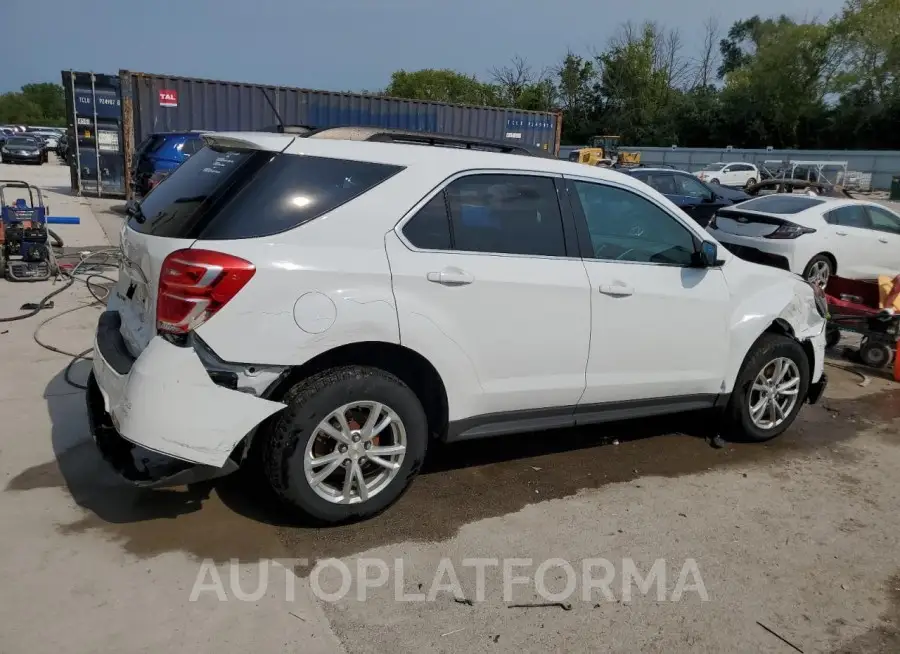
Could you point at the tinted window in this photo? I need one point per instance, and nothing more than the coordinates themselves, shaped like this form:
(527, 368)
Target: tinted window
(19, 141)
(883, 220)
(781, 203)
(662, 182)
(851, 216)
(191, 146)
(624, 226)
(690, 186)
(152, 144)
(429, 229)
(227, 194)
(506, 214)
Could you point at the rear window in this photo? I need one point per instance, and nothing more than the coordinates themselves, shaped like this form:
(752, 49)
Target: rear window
(150, 144)
(235, 193)
(781, 203)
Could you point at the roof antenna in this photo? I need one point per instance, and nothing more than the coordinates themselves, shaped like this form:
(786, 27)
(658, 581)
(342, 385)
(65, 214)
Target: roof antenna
(275, 111)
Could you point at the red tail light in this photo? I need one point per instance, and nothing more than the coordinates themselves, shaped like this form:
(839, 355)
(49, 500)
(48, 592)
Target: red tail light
(194, 284)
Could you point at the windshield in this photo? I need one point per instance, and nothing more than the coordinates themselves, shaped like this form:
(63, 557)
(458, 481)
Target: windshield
(20, 142)
(713, 166)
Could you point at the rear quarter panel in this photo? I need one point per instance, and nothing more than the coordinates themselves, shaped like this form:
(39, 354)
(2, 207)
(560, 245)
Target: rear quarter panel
(319, 286)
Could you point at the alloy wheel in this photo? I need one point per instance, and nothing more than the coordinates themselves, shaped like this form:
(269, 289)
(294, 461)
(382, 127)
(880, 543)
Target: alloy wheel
(818, 274)
(355, 452)
(774, 393)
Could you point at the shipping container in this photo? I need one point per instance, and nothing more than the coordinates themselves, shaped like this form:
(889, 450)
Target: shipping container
(162, 103)
(96, 155)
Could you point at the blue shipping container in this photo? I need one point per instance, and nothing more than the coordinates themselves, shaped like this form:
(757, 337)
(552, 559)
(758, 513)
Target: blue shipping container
(96, 148)
(163, 103)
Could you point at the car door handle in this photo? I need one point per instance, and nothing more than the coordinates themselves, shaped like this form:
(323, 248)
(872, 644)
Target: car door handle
(450, 277)
(841, 233)
(616, 290)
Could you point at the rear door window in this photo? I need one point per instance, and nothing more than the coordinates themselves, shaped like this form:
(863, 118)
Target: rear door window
(883, 220)
(429, 229)
(506, 214)
(853, 215)
(235, 193)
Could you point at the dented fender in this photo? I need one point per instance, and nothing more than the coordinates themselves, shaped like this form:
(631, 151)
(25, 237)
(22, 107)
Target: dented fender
(763, 296)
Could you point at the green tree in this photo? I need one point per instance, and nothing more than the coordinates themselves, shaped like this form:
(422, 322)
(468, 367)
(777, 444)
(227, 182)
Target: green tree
(638, 74)
(441, 85)
(35, 104)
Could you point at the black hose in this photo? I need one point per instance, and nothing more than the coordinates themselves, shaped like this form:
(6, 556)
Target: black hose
(42, 304)
(55, 236)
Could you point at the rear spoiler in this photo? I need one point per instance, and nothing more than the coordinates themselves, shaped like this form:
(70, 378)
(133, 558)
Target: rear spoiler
(249, 141)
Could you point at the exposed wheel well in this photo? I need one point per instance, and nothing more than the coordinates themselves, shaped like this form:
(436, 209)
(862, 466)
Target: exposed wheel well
(830, 257)
(410, 366)
(781, 326)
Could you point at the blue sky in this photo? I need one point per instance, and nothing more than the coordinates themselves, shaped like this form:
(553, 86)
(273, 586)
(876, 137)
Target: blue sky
(333, 44)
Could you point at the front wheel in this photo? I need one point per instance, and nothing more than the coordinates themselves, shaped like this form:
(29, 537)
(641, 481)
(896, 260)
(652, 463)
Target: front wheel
(818, 271)
(714, 181)
(348, 444)
(750, 182)
(770, 389)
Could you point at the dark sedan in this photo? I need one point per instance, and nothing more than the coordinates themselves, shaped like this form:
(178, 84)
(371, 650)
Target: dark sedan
(697, 199)
(22, 149)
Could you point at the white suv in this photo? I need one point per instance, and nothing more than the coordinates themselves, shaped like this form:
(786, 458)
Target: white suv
(730, 174)
(327, 307)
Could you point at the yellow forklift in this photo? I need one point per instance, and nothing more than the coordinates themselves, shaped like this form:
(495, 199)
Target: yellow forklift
(604, 151)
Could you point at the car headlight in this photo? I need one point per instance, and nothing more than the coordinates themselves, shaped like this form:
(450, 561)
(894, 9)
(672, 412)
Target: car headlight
(821, 300)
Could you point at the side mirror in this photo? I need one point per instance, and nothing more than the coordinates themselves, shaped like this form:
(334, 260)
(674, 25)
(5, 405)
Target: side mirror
(709, 199)
(707, 256)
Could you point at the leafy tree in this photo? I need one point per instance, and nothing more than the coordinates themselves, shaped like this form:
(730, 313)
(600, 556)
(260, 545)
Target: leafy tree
(35, 104)
(442, 86)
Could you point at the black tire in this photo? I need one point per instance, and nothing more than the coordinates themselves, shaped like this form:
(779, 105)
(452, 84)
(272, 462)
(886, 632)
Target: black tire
(832, 336)
(750, 182)
(737, 423)
(818, 260)
(309, 402)
(874, 354)
(714, 181)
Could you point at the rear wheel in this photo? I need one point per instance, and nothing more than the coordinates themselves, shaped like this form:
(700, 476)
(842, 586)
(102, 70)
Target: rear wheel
(770, 389)
(750, 182)
(348, 445)
(819, 270)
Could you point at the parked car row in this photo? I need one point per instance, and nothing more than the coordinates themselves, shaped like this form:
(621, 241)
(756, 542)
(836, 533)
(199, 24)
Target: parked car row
(325, 307)
(24, 148)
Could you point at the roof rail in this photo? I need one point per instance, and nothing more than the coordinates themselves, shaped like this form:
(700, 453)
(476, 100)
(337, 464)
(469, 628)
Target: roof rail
(388, 135)
(298, 130)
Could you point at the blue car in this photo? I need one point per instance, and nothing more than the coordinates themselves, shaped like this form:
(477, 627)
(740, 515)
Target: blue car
(160, 154)
(697, 199)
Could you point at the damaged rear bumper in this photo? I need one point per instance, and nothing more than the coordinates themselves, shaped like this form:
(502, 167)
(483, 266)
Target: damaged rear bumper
(136, 464)
(160, 419)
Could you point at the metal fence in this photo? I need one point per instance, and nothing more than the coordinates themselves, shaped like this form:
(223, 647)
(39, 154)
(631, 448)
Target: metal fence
(872, 168)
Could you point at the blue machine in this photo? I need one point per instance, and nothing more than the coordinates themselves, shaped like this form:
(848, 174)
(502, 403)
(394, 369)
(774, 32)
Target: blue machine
(24, 238)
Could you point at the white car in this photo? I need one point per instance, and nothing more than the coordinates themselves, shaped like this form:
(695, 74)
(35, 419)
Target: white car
(326, 307)
(729, 174)
(815, 237)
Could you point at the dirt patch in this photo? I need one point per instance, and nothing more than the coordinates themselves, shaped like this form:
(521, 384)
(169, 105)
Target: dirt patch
(461, 483)
(885, 637)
